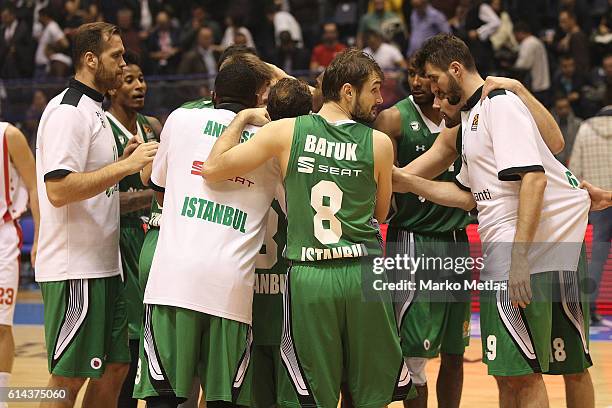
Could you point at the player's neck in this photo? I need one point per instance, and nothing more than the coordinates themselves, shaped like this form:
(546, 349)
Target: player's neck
(471, 83)
(334, 111)
(89, 79)
(431, 113)
(127, 117)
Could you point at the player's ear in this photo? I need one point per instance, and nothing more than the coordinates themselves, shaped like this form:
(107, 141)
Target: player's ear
(455, 68)
(90, 59)
(347, 90)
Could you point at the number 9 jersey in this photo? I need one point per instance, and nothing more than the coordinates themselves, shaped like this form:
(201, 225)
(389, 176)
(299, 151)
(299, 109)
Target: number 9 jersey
(331, 191)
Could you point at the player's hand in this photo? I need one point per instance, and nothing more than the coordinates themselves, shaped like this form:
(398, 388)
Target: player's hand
(600, 198)
(492, 83)
(132, 144)
(256, 116)
(519, 283)
(143, 155)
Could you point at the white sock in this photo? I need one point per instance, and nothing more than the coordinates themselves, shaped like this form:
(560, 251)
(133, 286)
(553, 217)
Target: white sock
(5, 378)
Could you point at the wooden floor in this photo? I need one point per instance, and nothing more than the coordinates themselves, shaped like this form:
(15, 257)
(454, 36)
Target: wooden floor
(479, 389)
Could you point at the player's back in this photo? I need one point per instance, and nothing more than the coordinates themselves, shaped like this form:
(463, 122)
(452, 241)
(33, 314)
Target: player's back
(331, 191)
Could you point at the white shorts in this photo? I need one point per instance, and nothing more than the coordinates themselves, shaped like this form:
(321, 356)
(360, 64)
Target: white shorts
(10, 240)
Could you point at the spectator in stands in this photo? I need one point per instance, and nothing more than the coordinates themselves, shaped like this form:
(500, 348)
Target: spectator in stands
(590, 161)
(15, 46)
(49, 59)
(603, 81)
(201, 59)
(569, 125)
(93, 14)
(503, 38)
(425, 22)
(481, 22)
(571, 82)
(235, 25)
(386, 55)
(33, 115)
(580, 9)
(163, 45)
(289, 57)
(532, 58)
(284, 21)
(324, 53)
(575, 42)
(73, 18)
(131, 37)
(374, 21)
(457, 21)
(199, 19)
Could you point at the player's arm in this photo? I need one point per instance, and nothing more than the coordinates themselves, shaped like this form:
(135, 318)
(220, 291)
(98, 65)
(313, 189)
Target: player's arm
(440, 192)
(390, 123)
(23, 160)
(145, 173)
(383, 166)
(435, 161)
(229, 158)
(548, 127)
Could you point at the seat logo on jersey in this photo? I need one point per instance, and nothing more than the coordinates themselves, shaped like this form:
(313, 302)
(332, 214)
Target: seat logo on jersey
(326, 148)
(416, 126)
(475, 123)
(420, 148)
(306, 164)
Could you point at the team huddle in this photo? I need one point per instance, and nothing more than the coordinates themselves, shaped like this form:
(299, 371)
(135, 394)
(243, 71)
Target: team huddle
(260, 210)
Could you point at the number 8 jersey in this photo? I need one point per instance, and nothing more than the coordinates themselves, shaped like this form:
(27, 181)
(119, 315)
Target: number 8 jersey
(331, 191)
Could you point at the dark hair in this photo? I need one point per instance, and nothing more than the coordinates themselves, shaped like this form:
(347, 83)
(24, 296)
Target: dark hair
(289, 98)
(263, 72)
(10, 7)
(236, 83)
(522, 27)
(441, 50)
(235, 50)
(45, 12)
(131, 58)
(570, 13)
(351, 66)
(91, 37)
(566, 56)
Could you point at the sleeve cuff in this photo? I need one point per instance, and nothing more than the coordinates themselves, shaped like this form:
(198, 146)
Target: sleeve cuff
(461, 186)
(513, 173)
(155, 187)
(56, 174)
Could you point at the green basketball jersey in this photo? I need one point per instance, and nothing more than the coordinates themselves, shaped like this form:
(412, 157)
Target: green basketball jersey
(271, 268)
(413, 212)
(331, 191)
(122, 136)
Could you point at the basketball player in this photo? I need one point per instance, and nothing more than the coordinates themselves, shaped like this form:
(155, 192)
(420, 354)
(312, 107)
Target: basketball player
(337, 176)
(17, 184)
(527, 198)
(199, 291)
(431, 323)
(78, 263)
(134, 200)
(288, 98)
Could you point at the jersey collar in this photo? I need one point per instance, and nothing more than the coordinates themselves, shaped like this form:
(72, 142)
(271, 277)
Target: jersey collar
(473, 100)
(84, 89)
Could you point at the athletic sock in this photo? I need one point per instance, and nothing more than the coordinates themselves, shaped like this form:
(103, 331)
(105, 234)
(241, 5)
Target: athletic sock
(5, 378)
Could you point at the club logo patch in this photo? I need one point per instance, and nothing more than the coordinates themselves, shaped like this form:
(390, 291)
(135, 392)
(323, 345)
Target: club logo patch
(95, 363)
(475, 123)
(415, 126)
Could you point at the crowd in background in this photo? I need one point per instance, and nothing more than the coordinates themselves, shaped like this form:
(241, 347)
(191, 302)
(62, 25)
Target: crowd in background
(561, 49)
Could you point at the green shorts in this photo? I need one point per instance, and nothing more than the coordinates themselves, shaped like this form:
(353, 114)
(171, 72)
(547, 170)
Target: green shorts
(146, 257)
(331, 335)
(549, 337)
(130, 242)
(264, 368)
(179, 344)
(432, 321)
(85, 326)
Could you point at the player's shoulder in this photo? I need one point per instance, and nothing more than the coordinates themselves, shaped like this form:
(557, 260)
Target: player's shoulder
(202, 103)
(66, 108)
